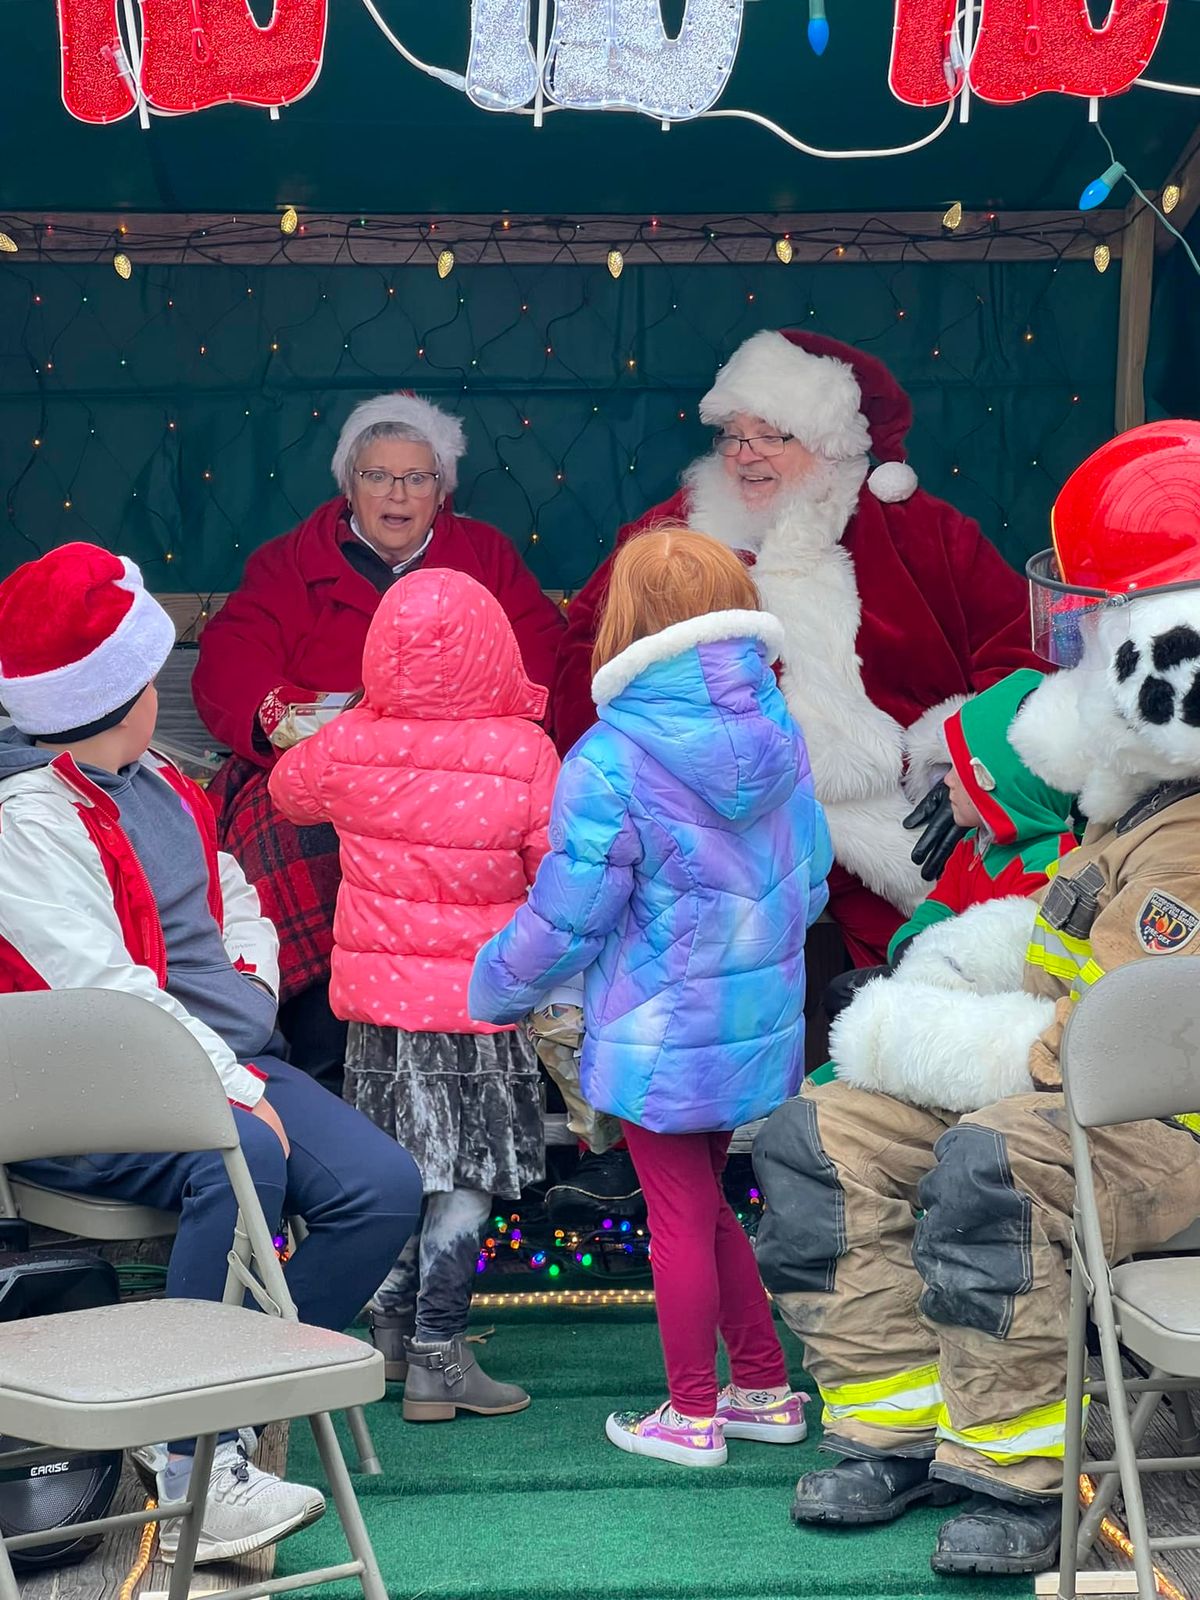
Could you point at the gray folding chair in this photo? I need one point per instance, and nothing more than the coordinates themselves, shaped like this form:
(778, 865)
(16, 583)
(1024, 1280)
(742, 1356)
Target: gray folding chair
(1130, 1053)
(119, 1222)
(86, 1071)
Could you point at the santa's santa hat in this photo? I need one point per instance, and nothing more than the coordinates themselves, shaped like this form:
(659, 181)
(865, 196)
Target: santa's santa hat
(838, 401)
(80, 640)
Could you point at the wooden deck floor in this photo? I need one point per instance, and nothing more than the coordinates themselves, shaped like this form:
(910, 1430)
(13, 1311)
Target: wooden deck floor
(101, 1576)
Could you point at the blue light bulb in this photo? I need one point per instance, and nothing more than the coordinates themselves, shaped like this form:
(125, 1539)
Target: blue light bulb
(818, 27)
(1100, 188)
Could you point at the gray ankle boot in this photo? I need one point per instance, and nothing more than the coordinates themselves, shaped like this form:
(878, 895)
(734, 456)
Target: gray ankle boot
(390, 1330)
(444, 1379)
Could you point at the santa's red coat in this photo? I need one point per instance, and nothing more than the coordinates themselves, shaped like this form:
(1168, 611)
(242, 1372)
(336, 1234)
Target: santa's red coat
(942, 615)
(299, 619)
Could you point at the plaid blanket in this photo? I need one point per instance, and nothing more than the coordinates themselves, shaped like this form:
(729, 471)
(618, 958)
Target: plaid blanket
(295, 870)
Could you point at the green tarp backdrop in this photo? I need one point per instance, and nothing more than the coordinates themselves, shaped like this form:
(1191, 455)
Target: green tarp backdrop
(190, 414)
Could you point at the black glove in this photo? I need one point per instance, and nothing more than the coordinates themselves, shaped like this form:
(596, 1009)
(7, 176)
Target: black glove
(842, 989)
(933, 849)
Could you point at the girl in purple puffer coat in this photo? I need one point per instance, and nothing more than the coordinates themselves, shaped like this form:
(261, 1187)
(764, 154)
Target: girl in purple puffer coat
(688, 859)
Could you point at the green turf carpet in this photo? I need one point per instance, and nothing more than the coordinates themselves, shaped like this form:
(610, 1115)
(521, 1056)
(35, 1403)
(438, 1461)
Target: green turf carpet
(540, 1506)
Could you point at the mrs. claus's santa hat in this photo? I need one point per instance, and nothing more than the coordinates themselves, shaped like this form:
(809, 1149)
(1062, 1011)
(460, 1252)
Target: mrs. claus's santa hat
(80, 639)
(838, 401)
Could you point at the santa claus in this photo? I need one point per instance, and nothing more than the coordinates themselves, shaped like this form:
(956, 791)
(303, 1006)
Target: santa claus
(895, 607)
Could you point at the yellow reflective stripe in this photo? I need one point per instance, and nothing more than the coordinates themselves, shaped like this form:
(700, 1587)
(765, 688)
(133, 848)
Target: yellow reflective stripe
(1091, 972)
(1064, 967)
(910, 1399)
(1067, 941)
(1039, 1432)
(1189, 1120)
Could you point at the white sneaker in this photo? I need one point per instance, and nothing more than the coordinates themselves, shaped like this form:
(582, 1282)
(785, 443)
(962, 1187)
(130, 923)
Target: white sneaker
(246, 1510)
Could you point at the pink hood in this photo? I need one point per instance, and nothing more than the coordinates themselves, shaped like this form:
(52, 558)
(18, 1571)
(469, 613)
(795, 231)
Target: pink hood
(441, 646)
(439, 785)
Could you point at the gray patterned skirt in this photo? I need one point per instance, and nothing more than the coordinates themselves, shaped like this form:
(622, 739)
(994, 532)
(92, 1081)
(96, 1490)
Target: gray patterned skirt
(466, 1106)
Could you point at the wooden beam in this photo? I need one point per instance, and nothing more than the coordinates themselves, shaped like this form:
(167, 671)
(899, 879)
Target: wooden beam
(406, 240)
(1186, 174)
(1133, 330)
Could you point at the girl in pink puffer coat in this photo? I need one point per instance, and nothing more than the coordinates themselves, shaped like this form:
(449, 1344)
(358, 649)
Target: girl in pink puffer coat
(439, 785)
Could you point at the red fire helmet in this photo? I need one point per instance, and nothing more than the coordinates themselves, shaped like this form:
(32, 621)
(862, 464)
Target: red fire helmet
(1125, 523)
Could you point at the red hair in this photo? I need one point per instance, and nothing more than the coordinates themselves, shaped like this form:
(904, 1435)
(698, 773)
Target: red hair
(667, 575)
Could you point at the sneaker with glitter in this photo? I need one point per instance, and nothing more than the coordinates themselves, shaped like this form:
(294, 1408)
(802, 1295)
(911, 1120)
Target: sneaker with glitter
(670, 1436)
(771, 1422)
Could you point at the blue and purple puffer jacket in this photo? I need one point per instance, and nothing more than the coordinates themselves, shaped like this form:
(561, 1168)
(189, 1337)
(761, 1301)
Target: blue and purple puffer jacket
(688, 859)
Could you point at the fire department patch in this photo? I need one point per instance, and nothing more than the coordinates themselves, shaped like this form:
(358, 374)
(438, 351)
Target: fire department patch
(1164, 924)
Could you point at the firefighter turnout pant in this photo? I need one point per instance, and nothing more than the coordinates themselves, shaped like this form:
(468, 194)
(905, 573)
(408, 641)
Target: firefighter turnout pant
(923, 1258)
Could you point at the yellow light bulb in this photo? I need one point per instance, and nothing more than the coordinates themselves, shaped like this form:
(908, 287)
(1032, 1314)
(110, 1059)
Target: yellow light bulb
(953, 217)
(616, 263)
(122, 266)
(1101, 256)
(1171, 196)
(289, 221)
(445, 264)
(9, 246)
(784, 251)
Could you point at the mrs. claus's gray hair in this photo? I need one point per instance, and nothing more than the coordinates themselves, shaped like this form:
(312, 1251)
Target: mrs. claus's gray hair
(400, 416)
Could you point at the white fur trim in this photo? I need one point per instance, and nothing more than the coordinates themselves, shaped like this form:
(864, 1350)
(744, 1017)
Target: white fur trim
(668, 643)
(893, 482)
(982, 950)
(870, 841)
(442, 432)
(931, 1047)
(816, 398)
(927, 754)
(83, 691)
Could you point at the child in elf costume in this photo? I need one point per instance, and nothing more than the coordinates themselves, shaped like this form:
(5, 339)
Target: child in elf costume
(1018, 828)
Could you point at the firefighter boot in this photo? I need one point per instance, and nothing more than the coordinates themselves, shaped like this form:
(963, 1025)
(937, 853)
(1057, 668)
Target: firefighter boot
(879, 1489)
(999, 1536)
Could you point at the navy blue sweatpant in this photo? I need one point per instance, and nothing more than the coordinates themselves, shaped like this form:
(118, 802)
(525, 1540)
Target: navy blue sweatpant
(358, 1192)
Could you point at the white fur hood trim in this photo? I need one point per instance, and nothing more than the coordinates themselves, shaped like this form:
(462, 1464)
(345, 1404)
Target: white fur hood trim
(982, 951)
(931, 1047)
(680, 637)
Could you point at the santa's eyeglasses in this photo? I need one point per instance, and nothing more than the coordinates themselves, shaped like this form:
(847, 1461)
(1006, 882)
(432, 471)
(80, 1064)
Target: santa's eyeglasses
(763, 444)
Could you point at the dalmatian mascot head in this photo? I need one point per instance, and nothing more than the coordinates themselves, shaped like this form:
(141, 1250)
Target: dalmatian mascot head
(1116, 606)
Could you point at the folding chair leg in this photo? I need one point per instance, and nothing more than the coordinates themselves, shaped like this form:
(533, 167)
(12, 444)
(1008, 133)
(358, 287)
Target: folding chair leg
(1126, 1453)
(346, 1501)
(9, 1588)
(1073, 1440)
(189, 1526)
(1110, 1483)
(368, 1462)
(1185, 1422)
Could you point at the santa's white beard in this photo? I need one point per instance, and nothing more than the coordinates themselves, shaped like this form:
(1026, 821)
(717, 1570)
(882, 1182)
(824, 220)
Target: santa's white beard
(820, 504)
(806, 578)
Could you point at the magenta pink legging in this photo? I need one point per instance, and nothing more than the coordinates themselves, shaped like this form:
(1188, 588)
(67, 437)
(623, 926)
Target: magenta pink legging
(705, 1276)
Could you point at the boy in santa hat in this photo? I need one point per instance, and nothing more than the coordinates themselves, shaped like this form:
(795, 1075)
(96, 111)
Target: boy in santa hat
(110, 878)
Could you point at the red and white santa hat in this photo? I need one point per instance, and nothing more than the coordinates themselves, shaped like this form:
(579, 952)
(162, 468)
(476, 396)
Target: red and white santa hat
(80, 639)
(838, 401)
